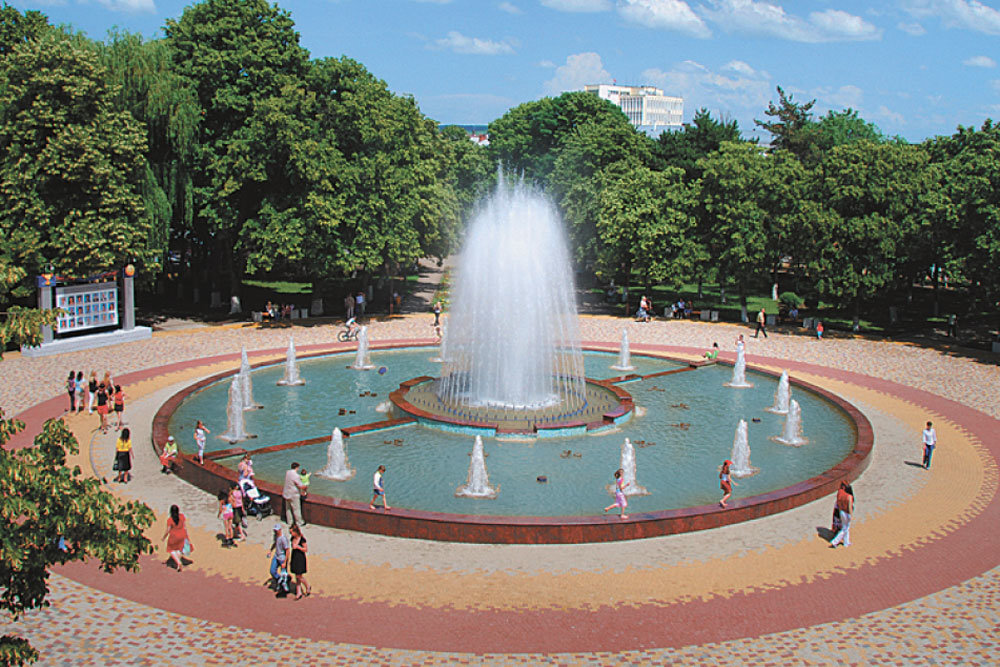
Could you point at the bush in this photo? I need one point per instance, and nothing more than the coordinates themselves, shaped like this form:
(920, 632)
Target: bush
(790, 300)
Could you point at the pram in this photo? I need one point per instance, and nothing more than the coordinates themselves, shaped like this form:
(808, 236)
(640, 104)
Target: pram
(255, 503)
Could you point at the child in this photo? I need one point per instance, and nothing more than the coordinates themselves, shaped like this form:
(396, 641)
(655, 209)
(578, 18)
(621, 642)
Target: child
(304, 476)
(226, 514)
(239, 520)
(726, 483)
(378, 489)
(169, 455)
(713, 354)
(819, 330)
(119, 399)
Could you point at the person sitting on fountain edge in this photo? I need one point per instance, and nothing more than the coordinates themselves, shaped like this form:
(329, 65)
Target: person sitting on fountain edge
(712, 354)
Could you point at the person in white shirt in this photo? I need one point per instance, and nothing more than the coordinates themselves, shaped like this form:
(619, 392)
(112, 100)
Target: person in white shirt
(292, 493)
(378, 489)
(930, 442)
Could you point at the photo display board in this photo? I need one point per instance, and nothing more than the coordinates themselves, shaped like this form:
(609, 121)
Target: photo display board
(87, 306)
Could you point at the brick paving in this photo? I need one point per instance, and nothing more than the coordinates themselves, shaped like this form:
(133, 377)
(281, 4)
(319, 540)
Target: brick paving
(918, 586)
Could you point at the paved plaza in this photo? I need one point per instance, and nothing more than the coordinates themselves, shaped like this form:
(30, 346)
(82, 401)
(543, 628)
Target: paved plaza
(918, 586)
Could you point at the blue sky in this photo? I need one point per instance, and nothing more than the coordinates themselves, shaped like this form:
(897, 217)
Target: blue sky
(916, 68)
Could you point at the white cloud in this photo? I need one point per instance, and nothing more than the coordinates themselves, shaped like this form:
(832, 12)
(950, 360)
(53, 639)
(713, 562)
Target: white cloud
(580, 69)
(129, 5)
(509, 8)
(762, 18)
(968, 14)
(673, 15)
(578, 5)
(914, 29)
(736, 91)
(547, 64)
(844, 97)
(996, 84)
(459, 43)
(884, 112)
(980, 61)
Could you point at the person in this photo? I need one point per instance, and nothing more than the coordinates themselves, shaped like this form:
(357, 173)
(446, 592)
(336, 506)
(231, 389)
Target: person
(437, 313)
(108, 382)
(169, 455)
(176, 536)
(123, 456)
(819, 330)
(119, 400)
(298, 562)
(292, 493)
(91, 392)
(620, 500)
(378, 489)
(278, 553)
(836, 525)
(245, 467)
(200, 438)
(793, 313)
(81, 387)
(642, 315)
(239, 519)
(349, 306)
(953, 325)
(359, 304)
(930, 442)
(726, 482)
(102, 406)
(304, 476)
(713, 354)
(845, 505)
(352, 327)
(761, 321)
(71, 390)
(225, 512)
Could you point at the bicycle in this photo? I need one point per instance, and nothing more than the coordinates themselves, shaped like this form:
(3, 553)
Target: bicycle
(348, 333)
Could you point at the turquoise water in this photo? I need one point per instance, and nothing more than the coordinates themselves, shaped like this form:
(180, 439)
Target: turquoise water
(677, 465)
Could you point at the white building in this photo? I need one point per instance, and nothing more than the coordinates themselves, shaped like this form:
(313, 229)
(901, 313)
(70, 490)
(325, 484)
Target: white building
(647, 108)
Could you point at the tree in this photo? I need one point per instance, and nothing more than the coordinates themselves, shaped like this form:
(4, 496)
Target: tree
(71, 167)
(789, 129)
(874, 192)
(51, 515)
(683, 148)
(470, 171)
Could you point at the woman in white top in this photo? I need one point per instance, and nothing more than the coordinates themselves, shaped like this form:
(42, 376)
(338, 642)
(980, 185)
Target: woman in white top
(930, 441)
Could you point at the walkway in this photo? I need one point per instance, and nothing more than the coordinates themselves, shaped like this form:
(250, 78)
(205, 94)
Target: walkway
(920, 583)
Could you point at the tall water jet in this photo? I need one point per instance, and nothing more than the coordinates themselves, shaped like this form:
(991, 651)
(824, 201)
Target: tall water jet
(781, 396)
(631, 487)
(291, 367)
(247, 382)
(739, 380)
(791, 434)
(624, 356)
(740, 455)
(337, 467)
(513, 338)
(363, 362)
(235, 427)
(478, 483)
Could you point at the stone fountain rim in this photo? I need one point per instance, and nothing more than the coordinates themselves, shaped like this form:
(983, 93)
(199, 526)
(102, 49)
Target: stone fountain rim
(440, 526)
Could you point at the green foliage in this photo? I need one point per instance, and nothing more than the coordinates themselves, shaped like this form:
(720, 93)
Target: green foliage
(51, 515)
(17, 28)
(790, 299)
(470, 172)
(683, 148)
(71, 167)
(790, 127)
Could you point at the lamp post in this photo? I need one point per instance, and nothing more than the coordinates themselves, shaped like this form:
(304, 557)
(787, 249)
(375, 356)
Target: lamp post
(45, 285)
(128, 297)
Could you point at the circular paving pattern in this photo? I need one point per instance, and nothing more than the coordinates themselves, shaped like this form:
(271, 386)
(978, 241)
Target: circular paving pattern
(919, 583)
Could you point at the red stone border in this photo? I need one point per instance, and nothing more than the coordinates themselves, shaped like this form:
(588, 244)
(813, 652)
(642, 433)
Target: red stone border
(351, 515)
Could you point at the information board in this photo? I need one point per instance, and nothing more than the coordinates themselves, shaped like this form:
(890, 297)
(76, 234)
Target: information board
(89, 306)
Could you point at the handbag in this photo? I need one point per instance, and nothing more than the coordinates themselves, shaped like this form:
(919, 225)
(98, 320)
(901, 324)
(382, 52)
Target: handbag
(187, 546)
(114, 466)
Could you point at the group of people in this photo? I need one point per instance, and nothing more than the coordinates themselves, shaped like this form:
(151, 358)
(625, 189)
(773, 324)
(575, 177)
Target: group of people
(354, 304)
(276, 312)
(103, 394)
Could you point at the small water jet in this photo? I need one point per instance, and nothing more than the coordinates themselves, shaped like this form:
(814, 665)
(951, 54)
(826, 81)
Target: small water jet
(478, 483)
(624, 356)
(384, 407)
(291, 378)
(791, 434)
(236, 429)
(781, 396)
(739, 380)
(631, 487)
(740, 455)
(337, 467)
(442, 355)
(247, 382)
(363, 362)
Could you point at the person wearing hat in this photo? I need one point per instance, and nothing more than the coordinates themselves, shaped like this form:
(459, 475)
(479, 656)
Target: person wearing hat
(168, 455)
(278, 553)
(726, 482)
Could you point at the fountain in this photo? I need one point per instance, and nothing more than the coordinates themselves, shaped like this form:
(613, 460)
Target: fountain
(631, 487)
(740, 455)
(513, 338)
(781, 396)
(247, 382)
(235, 431)
(442, 354)
(291, 378)
(478, 483)
(739, 380)
(337, 467)
(791, 434)
(624, 357)
(363, 361)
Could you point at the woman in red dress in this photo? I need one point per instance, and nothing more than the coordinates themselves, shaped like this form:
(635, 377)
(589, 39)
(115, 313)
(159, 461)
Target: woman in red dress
(176, 536)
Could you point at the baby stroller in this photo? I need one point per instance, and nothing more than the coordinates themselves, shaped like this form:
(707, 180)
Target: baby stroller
(255, 503)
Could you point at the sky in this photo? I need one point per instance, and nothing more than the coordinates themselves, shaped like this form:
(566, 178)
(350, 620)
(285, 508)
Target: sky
(915, 68)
